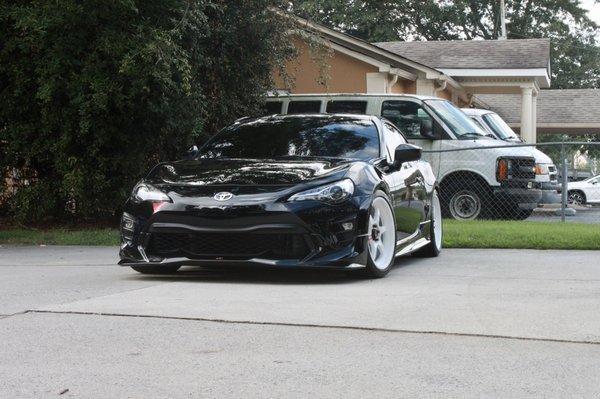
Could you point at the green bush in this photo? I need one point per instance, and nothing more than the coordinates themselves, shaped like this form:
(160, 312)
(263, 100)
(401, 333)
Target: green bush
(94, 93)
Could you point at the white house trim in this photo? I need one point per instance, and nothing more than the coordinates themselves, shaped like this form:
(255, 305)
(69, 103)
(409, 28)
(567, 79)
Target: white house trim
(540, 74)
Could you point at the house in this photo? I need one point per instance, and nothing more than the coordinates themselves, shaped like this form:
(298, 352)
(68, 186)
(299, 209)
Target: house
(455, 70)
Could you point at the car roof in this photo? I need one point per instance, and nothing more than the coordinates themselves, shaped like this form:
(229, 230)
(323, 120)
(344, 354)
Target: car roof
(328, 95)
(267, 118)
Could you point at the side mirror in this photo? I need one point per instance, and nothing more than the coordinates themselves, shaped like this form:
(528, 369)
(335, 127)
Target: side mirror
(192, 152)
(406, 153)
(426, 129)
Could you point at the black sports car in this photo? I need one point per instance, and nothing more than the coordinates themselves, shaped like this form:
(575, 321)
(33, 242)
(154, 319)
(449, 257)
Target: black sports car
(337, 191)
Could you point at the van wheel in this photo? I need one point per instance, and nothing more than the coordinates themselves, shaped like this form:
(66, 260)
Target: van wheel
(468, 202)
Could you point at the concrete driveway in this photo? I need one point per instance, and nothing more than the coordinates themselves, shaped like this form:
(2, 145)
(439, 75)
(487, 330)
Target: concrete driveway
(471, 323)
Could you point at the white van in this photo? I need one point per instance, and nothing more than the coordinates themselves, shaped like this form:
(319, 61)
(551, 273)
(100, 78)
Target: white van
(483, 183)
(546, 171)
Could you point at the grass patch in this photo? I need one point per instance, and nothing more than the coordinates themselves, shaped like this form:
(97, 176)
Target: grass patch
(60, 236)
(520, 235)
(469, 234)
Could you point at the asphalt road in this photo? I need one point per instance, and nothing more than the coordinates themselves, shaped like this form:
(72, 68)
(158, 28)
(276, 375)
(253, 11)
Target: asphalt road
(471, 323)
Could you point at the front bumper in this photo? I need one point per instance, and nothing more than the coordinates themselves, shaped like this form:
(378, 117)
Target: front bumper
(524, 198)
(211, 236)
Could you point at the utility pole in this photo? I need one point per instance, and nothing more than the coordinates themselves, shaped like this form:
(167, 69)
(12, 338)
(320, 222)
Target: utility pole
(502, 21)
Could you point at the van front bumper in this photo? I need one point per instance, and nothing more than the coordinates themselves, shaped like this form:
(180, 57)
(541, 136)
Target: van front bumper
(525, 198)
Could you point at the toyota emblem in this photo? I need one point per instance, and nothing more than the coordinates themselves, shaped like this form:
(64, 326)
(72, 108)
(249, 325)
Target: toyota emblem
(223, 196)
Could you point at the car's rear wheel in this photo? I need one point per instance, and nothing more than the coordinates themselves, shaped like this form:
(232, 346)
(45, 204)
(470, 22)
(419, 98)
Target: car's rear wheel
(576, 197)
(155, 269)
(434, 247)
(381, 239)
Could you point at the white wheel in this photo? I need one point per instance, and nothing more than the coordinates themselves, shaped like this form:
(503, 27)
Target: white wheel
(381, 234)
(434, 247)
(436, 220)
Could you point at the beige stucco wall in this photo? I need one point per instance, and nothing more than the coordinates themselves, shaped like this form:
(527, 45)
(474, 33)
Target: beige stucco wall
(346, 74)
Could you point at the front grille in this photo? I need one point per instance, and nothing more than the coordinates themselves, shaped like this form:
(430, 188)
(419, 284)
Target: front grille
(228, 245)
(523, 168)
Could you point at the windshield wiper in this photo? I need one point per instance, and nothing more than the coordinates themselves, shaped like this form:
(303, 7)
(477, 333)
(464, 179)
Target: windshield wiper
(472, 134)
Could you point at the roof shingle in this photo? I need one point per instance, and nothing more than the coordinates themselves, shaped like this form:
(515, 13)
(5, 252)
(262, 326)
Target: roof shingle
(553, 106)
(475, 54)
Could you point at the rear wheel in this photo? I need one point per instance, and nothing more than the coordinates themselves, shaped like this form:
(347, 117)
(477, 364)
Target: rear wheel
(434, 247)
(381, 244)
(156, 269)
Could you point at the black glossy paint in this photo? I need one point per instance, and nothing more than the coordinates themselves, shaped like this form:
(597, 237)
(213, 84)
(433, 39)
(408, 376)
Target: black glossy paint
(259, 206)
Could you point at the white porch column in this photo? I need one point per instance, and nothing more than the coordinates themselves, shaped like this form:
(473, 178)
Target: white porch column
(377, 82)
(526, 114)
(425, 87)
(534, 117)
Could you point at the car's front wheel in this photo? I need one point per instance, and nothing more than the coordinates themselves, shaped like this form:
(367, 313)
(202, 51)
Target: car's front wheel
(381, 239)
(156, 269)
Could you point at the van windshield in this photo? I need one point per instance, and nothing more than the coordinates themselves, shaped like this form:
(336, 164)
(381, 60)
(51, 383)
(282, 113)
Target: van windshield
(499, 127)
(460, 124)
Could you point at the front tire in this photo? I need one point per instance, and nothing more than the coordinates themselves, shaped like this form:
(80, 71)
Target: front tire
(468, 202)
(381, 244)
(434, 247)
(154, 269)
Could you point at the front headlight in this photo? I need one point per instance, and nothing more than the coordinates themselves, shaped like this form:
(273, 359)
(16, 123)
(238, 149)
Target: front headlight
(334, 193)
(146, 192)
(541, 169)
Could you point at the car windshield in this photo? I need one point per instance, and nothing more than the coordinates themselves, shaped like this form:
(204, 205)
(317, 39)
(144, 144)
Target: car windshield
(460, 124)
(499, 127)
(296, 136)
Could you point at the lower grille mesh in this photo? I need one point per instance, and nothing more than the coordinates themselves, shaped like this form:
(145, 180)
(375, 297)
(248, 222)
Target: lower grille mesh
(228, 245)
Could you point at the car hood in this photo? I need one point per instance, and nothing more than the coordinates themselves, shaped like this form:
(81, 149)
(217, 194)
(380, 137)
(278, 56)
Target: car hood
(511, 148)
(247, 175)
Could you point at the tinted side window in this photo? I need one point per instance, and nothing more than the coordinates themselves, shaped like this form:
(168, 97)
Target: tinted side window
(407, 116)
(304, 107)
(346, 107)
(272, 107)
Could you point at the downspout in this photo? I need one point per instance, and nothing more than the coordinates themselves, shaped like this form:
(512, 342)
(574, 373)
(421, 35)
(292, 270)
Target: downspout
(391, 83)
(442, 87)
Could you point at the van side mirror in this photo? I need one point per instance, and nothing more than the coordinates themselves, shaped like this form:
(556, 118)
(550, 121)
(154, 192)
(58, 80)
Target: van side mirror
(426, 129)
(406, 153)
(192, 152)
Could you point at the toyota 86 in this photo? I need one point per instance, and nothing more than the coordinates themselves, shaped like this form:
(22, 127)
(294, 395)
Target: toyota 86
(322, 191)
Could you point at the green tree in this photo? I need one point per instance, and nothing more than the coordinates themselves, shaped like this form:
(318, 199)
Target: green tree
(94, 93)
(575, 49)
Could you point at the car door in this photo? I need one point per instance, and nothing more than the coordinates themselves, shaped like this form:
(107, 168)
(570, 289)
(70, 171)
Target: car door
(594, 189)
(407, 188)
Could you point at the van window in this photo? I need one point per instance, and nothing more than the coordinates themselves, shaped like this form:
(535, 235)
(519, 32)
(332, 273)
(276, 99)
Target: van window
(304, 107)
(407, 116)
(346, 107)
(272, 107)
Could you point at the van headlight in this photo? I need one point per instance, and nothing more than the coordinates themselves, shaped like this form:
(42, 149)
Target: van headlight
(334, 193)
(541, 169)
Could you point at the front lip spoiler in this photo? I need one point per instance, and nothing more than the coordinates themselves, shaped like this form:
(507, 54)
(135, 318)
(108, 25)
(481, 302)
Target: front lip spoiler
(257, 261)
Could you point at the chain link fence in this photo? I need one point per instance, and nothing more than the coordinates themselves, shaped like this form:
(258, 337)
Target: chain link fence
(554, 182)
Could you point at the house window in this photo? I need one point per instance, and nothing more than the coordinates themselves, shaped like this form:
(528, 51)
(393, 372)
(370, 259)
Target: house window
(304, 107)
(346, 107)
(272, 107)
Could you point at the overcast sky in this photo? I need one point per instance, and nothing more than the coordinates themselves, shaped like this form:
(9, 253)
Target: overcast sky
(594, 9)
